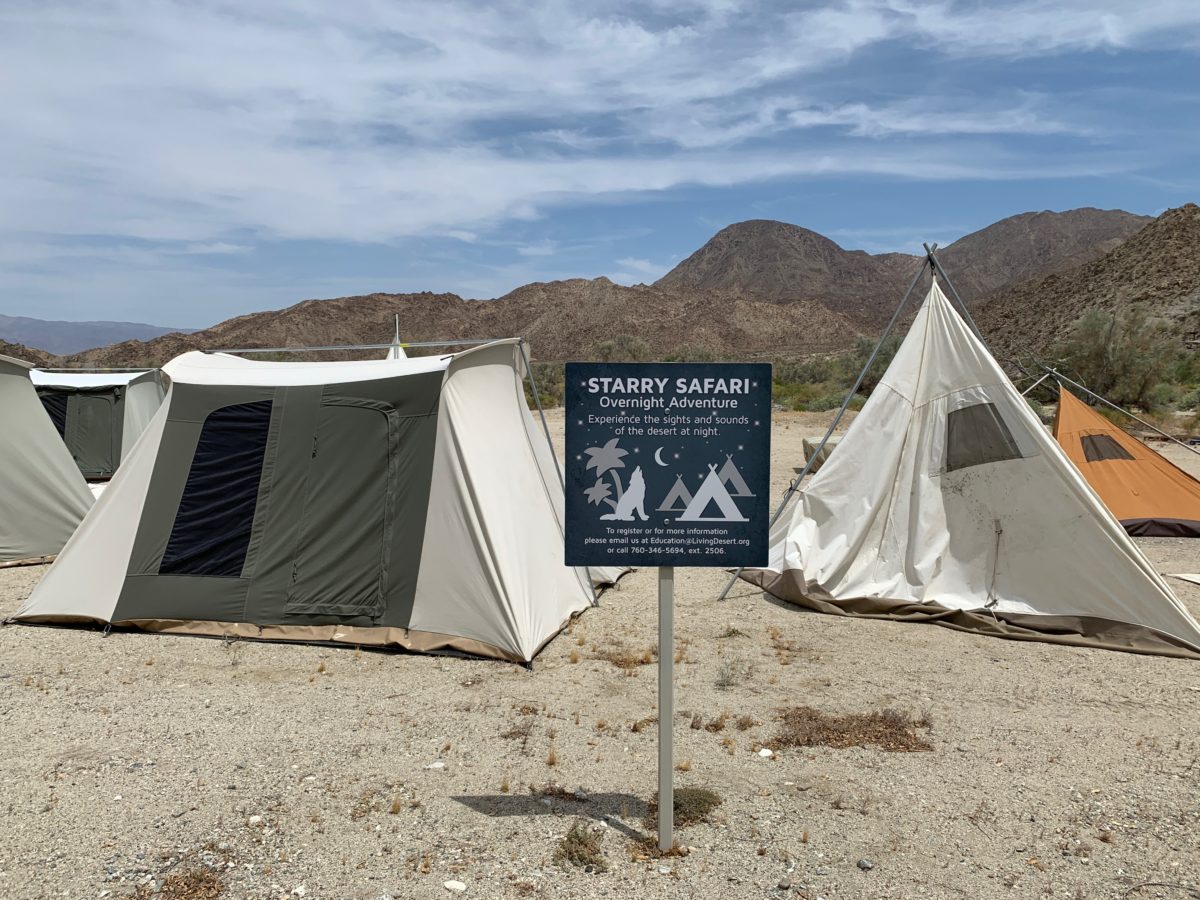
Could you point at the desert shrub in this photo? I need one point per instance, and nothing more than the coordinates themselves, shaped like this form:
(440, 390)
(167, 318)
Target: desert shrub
(890, 729)
(580, 848)
(691, 806)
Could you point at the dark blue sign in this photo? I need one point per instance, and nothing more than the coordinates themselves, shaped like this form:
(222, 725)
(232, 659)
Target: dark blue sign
(668, 464)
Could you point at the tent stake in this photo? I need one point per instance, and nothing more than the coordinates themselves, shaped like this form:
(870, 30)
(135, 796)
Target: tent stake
(1126, 412)
(792, 488)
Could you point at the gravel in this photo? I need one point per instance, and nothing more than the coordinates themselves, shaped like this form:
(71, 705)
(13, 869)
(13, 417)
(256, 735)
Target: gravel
(1053, 769)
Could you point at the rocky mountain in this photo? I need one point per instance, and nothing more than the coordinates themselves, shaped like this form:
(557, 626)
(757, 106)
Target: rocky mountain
(1158, 267)
(755, 289)
(25, 354)
(561, 319)
(60, 338)
(774, 260)
(1034, 244)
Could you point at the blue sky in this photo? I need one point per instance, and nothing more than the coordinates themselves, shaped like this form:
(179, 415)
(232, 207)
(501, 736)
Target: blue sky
(182, 161)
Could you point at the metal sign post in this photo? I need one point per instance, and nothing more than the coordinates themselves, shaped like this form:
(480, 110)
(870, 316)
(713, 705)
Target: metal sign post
(668, 464)
(666, 706)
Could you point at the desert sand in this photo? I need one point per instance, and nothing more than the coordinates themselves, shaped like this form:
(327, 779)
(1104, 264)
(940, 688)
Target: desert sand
(142, 765)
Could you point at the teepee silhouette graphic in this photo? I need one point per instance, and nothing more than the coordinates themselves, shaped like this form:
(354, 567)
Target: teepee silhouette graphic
(677, 498)
(733, 478)
(712, 490)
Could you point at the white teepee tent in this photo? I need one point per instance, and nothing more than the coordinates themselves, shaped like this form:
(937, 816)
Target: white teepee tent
(948, 501)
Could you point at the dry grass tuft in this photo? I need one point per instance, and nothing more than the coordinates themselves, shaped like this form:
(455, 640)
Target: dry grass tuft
(731, 673)
(731, 632)
(552, 757)
(888, 729)
(692, 806)
(574, 657)
(713, 726)
(745, 722)
(580, 848)
(504, 787)
(628, 660)
(397, 805)
(193, 884)
(684, 765)
(642, 724)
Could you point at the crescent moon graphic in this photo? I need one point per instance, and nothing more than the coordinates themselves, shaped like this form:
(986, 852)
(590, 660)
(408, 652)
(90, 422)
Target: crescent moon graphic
(658, 456)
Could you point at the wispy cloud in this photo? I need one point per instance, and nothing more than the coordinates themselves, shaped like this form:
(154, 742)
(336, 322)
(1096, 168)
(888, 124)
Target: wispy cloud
(202, 128)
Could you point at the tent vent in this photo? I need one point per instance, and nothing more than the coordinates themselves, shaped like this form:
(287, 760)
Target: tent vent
(976, 435)
(1097, 447)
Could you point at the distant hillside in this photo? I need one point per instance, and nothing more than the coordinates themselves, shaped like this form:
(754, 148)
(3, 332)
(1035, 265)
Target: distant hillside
(1034, 244)
(562, 320)
(755, 289)
(26, 354)
(774, 260)
(778, 261)
(61, 338)
(1158, 267)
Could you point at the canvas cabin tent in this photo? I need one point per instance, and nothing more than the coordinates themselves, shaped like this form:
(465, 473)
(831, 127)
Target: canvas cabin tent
(409, 502)
(43, 497)
(1147, 493)
(947, 501)
(99, 415)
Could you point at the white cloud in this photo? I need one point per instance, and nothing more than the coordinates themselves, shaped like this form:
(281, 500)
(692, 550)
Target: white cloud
(637, 271)
(189, 121)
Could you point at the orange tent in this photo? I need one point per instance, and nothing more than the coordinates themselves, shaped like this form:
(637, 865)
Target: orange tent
(1148, 494)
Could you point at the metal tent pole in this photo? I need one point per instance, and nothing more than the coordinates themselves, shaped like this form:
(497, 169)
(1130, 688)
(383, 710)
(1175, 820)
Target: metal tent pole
(1126, 412)
(1025, 393)
(336, 347)
(792, 488)
(931, 249)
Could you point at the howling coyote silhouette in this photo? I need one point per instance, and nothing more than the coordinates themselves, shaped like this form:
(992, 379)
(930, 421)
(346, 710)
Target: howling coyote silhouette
(632, 501)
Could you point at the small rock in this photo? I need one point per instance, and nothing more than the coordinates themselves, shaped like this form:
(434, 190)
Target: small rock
(784, 885)
(664, 870)
(254, 820)
(822, 870)
(866, 865)
(456, 886)
(435, 765)
(177, 812)
(580, 794)
(765, 753)
(299, 890)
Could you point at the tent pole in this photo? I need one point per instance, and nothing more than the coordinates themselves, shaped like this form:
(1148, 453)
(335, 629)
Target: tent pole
(1025, 393)
(336, 347)
(931, 249)
(1126, 412)
(537, 398)
(808, 464)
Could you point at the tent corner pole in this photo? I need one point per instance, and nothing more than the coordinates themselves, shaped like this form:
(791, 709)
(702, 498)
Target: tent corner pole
(808, 464)
(537, 399)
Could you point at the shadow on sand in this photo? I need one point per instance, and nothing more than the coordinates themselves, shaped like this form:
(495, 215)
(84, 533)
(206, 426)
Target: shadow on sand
(610, 808)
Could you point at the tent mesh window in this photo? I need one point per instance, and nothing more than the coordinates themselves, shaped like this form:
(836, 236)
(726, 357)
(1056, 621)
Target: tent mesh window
(976, 435)
(56, 408)
(216, 512)
(1097, 447)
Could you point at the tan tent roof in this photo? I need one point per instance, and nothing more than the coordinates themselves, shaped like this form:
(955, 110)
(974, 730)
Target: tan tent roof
(1146, 492)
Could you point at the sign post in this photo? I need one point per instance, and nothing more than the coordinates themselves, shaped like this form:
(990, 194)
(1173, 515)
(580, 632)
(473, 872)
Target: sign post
(668, 464)
(666, 705)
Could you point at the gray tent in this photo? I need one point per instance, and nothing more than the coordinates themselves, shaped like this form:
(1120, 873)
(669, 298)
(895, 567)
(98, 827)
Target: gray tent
(99, 415)
(43, 497)
(408, 502)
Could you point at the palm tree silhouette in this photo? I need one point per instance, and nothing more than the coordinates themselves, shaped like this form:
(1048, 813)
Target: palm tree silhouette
(605, 459)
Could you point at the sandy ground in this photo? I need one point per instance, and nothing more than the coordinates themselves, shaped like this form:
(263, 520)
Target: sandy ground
(306, 771)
